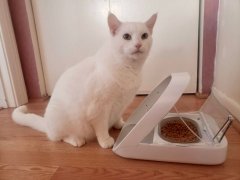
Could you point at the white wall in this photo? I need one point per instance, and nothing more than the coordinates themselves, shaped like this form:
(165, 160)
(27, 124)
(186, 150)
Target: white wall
(227, 67)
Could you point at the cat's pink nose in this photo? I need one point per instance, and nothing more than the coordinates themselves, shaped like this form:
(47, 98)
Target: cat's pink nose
(138, 45)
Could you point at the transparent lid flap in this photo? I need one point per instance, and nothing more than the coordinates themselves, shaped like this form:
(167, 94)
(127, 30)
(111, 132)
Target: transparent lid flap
(216, 116)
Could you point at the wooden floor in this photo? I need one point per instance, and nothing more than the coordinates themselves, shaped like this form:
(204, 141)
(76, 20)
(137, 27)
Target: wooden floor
(27, 154)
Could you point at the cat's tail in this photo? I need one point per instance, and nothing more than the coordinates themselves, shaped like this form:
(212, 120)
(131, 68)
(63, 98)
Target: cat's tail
(20, 116)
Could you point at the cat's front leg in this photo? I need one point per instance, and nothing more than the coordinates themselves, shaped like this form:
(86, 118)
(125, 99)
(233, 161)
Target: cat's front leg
(75, 141)
(107, 142)
(103, 137)
(116, 116)
(100, 126)
(119, 123)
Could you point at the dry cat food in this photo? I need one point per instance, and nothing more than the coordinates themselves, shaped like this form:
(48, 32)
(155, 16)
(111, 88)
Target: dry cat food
(174, 130)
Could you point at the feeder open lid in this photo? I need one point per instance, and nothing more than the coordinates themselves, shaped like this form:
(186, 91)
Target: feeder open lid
(139, 127)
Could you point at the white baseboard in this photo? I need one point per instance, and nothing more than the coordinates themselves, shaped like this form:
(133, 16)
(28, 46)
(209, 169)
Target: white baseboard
(230, 104)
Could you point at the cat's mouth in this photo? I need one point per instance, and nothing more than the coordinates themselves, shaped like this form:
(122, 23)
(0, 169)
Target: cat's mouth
(137, 52)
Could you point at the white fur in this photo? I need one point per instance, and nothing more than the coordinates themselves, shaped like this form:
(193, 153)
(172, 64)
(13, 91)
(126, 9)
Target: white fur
(90, 97)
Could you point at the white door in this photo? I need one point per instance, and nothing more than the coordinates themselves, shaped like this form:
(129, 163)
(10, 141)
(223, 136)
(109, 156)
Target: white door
(70, 30)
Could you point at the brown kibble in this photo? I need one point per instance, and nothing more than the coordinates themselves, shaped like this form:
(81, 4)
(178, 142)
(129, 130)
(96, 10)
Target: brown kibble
(174, 130)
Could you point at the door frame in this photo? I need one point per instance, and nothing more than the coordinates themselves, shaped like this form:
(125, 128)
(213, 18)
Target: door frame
(10, 67)
(36, 48)
(3, 102)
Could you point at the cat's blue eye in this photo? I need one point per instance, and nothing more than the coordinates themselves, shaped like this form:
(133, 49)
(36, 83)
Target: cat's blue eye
(127, 36)
(144, 36)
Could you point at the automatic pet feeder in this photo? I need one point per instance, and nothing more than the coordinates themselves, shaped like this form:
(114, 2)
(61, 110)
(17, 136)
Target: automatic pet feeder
(143, 136)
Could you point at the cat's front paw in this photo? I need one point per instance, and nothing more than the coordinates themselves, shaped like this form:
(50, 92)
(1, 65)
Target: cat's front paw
(77, 142)
(107, 143)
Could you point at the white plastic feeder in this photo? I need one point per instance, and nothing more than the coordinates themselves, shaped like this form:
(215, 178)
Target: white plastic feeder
(140, 139)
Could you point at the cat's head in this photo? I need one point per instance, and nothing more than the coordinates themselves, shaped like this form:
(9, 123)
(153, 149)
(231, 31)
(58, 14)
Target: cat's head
(131, 40)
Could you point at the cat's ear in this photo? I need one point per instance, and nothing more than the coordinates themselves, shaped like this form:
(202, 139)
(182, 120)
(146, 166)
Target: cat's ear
(113, 23)
(151, 21)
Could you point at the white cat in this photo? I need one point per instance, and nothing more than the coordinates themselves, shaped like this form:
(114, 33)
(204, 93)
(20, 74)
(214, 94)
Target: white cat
(90, 97)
